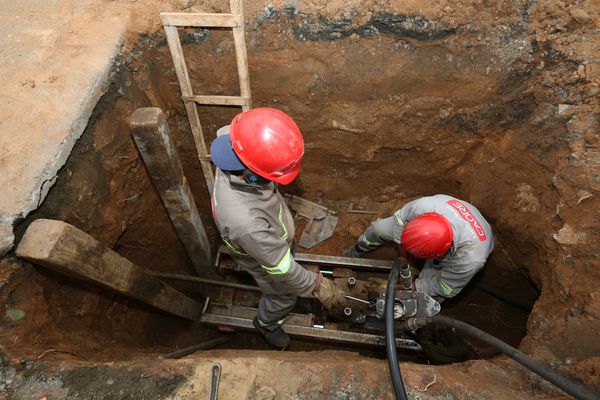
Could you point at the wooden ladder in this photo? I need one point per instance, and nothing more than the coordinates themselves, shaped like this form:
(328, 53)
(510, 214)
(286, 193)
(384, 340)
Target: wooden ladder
(234, 20)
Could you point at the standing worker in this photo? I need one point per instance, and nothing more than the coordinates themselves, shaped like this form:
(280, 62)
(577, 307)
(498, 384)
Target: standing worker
(262, 148)
(450, 234)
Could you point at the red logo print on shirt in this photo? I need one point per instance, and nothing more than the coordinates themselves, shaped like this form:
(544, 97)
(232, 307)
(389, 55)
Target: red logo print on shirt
(465, 213)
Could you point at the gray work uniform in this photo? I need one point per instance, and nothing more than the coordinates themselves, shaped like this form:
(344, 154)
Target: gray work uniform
(472, 243)
(258, 228)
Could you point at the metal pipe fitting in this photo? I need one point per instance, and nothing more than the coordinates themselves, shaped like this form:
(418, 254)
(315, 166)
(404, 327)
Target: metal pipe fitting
(405, 276)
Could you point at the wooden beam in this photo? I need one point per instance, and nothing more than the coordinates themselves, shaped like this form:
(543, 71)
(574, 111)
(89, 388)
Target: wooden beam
(67, 250)
(219, 100)
(201, 20)
(150, 132)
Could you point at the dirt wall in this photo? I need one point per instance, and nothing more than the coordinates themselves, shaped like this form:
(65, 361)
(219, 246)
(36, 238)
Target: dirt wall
(494, 102)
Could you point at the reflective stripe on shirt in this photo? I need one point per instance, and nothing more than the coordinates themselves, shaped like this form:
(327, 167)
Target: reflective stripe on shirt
(398, 217)
(241, 253)
(447, 289)
(230, 247)
(285, 232)
(282, 267)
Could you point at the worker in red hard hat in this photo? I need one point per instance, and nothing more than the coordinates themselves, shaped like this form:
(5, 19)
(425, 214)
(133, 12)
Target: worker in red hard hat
(262, 148)
(449, 234)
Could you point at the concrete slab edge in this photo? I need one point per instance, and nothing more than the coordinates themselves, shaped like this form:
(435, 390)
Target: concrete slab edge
(49, 176)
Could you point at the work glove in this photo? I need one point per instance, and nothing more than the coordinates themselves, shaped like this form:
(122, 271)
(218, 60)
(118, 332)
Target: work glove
(353, 251)
(330, 293)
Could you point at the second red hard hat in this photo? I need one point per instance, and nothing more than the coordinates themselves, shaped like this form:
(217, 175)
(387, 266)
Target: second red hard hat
(427, 236)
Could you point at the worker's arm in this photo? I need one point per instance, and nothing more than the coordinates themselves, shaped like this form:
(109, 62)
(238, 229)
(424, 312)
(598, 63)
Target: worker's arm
(275, 257)
(377, 233)
(448, 279)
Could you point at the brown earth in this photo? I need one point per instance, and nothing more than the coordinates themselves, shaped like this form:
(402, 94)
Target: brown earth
(495, 102)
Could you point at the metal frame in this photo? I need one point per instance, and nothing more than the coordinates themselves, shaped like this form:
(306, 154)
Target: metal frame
(297, 325)
(364, 264)
(233, 20)
(346, 262)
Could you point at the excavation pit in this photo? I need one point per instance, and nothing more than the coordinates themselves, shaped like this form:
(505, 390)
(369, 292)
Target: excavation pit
(394, 103)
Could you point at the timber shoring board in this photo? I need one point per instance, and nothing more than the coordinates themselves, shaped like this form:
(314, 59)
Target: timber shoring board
(67, 250)
(150, 132)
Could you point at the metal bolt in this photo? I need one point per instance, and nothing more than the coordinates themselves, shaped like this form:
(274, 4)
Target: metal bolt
(351, 281)
(347, 311)
(398, 311)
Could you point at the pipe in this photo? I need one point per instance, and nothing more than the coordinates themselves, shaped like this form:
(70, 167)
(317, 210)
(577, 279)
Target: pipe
(492, 291)
(574, 389)
(187, 278)
(390, 338)
(210, 344)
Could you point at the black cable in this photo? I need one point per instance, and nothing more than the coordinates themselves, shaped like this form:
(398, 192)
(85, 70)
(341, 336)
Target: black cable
(390, 337)
(574, 389)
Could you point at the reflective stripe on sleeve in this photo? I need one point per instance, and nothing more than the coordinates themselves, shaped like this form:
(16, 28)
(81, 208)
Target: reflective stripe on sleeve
(282, 267)
(398, 217)
(447, 289)
(367, 243)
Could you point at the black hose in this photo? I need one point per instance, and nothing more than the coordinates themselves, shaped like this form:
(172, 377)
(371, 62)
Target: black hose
(390, 337)
(570, 387)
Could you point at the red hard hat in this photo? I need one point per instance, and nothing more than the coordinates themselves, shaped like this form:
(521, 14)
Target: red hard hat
(269, 143)
(427, 236)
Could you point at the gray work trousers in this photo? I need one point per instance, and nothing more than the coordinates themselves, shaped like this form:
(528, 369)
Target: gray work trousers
(277, 300)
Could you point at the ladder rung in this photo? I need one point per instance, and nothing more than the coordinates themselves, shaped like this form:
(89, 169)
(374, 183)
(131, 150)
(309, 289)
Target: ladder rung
(218, 100)
(201, 20)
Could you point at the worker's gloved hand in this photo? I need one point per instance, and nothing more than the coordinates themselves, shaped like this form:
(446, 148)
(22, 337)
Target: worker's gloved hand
(330, 293)
(353, 251)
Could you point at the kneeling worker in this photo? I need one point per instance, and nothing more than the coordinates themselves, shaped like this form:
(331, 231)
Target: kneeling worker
(449, 234)
(261, 148)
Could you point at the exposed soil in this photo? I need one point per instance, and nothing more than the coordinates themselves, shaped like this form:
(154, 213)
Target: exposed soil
(493, 102)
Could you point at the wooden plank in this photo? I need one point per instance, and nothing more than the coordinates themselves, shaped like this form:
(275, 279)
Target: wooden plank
(201, 20)
(190, 108)
(150, 132)
(219, 100)
(67, 250)
(240, 54)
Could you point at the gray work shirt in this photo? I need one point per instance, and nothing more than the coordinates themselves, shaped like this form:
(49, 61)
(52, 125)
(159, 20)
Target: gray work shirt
(472, 242)
(256, 223)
